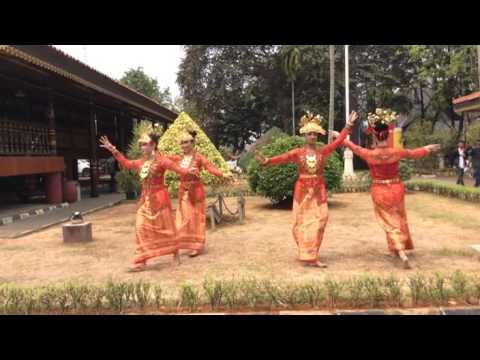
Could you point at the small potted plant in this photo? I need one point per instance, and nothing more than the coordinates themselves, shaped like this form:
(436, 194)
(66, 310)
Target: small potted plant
(129, 182)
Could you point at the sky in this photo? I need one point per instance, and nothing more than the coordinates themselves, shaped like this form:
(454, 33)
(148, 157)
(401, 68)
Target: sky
(158, 61)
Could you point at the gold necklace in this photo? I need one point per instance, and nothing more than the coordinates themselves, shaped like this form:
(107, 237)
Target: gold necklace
(145, 171)
(186, 161)
(311, 163)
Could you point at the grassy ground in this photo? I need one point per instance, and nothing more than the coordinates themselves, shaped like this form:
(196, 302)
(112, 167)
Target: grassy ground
(442, 230)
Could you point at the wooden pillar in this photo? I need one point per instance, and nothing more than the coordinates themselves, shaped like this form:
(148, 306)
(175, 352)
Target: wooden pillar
(93, 151)
(54, 188)
(122, 140)
(52, 136)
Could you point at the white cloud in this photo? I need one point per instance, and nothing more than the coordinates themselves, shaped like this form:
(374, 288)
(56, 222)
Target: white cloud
(158, 61)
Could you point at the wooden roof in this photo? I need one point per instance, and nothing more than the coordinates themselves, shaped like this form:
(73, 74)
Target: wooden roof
(468, 103)
(56, 61)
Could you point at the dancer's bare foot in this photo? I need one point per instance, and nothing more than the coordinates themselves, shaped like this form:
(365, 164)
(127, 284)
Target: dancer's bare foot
(176, 258)
(404, 258)
(317, 263)
(137, 268)
(194, 253)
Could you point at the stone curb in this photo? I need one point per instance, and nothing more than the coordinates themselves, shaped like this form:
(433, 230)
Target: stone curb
(424, 311)
(43, 227)
(22, 216)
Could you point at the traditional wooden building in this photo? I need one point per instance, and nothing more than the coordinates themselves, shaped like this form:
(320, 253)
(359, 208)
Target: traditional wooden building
(468, 104)
(53, 109)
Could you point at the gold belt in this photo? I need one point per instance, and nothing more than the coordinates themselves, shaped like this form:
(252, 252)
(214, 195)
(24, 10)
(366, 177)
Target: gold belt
(152, 186)
(304, 176)
(386, 181)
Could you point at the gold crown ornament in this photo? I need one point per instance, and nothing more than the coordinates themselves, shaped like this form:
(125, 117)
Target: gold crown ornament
(145, 139)
(311, 123)
(382, 116)
(185, 136)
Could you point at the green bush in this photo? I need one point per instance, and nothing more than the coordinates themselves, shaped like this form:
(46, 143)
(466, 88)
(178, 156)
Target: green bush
(277, 182)
(265, 139)
(445, 189)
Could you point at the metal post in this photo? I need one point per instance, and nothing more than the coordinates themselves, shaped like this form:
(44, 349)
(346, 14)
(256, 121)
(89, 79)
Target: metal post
(348, 171)
(211, 214)
(220, 204)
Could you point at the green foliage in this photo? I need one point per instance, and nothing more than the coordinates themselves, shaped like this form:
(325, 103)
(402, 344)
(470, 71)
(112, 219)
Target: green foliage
(169, 145)
(445, 189)
(360, 292)
(138, 80)
(265, 139)
(237, 91)
(277, 182)
(226, 152)
(422, 133)
(129, 180)
(405, 170)
(473, 133)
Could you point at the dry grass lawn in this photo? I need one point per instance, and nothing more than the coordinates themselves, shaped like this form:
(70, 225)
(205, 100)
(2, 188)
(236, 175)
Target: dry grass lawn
(442, 229)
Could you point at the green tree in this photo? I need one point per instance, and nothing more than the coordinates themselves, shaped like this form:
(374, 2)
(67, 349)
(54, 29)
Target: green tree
(291, 58)
(138, 80)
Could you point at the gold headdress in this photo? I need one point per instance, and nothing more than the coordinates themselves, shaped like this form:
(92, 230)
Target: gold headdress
(382, 116)
(145, 139)
(311, 123)
(151, 129)
(185, 136)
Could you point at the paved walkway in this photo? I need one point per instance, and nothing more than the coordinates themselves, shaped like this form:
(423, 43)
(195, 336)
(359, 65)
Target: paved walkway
(421, 311)
(40, 222)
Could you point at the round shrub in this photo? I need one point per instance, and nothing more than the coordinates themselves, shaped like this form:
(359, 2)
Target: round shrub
(277, 182)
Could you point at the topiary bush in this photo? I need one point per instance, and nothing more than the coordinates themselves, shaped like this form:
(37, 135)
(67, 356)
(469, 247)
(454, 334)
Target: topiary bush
(276, 182)
(169, 145)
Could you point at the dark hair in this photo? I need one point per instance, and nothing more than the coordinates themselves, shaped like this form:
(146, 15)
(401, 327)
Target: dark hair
(193, 133)
(155, 137)
(381, 131)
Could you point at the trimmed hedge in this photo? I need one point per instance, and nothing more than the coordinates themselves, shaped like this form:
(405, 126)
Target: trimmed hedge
(363, 291)
(445, 189)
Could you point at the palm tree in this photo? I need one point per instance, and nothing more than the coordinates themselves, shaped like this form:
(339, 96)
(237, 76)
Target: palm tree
(331, 109)
(291, 64)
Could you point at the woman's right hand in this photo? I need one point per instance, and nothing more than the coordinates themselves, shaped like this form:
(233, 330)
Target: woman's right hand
(260, 157)
(433, 147)
(106, 144)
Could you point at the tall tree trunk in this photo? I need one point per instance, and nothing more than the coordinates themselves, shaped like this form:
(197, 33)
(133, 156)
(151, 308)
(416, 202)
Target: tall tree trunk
(293, 108)
(422, 104)
(332, 92)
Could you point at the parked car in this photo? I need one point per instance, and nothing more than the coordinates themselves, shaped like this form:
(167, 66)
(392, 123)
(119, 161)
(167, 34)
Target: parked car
(83, 166)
